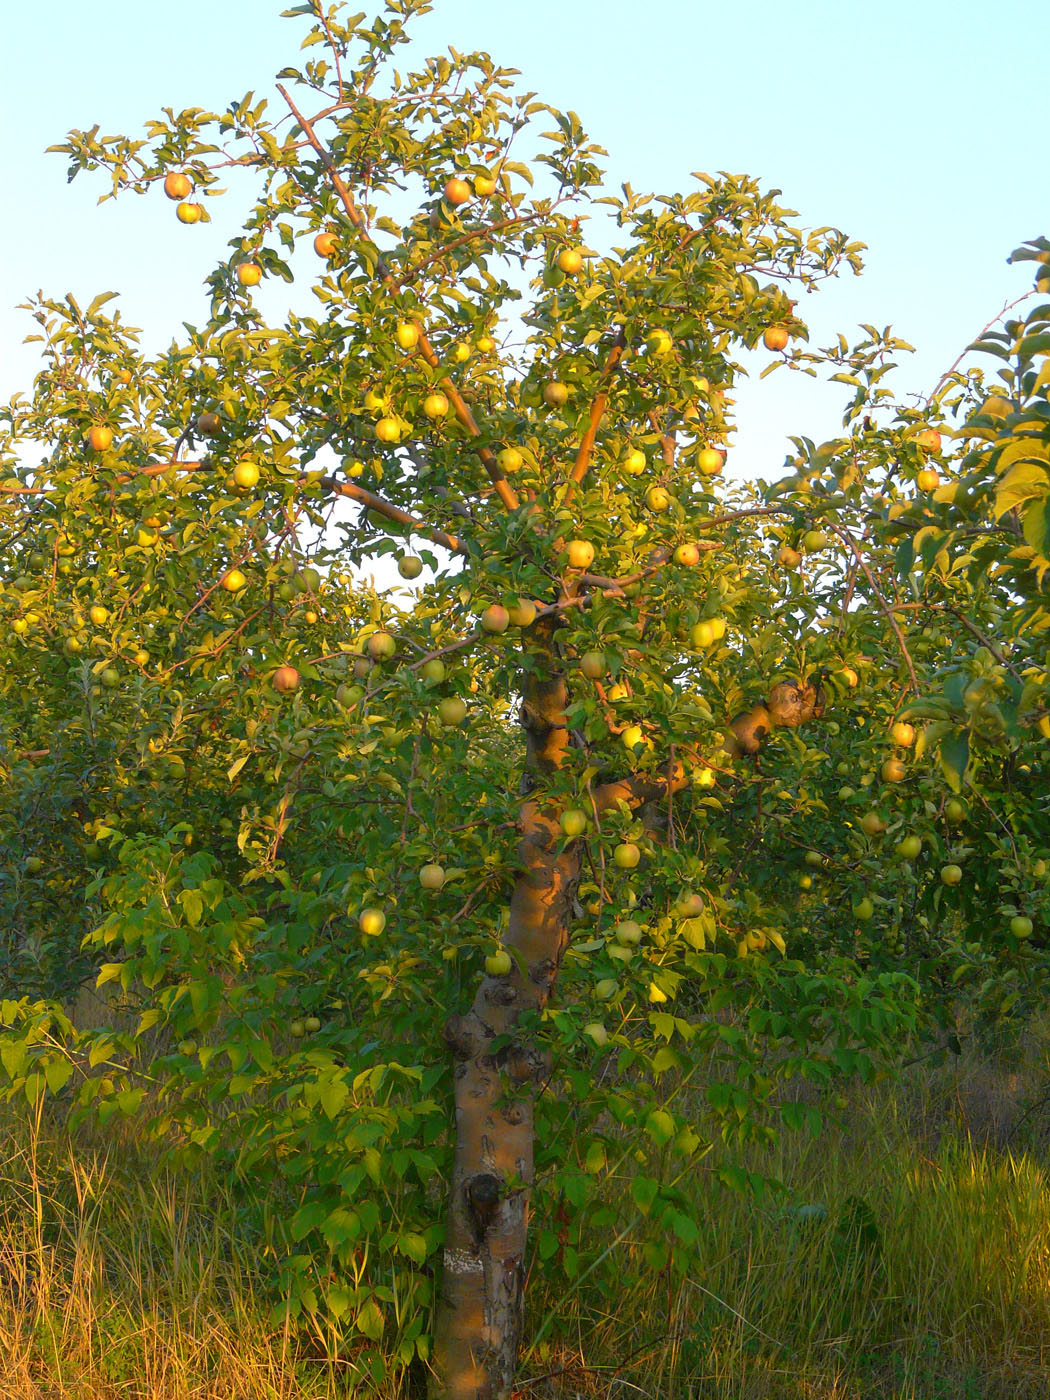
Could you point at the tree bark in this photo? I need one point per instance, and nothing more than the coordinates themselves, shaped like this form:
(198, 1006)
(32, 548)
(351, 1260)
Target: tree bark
(481, 1300)
(480, 1305)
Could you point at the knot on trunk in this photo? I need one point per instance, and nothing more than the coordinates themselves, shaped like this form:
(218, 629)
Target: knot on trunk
(459, 1038)
(483, 1193)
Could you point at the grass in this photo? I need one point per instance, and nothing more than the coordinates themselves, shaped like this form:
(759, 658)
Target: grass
(921, 1273)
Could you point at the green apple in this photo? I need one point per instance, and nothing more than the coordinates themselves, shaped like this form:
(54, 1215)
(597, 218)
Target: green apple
(657, 498)
(432, 877)
(592, 664)
(381, 646)
(433, 671)
(452, 711)
(814, 858)
(951, 874)
(628, 933)
(574, 822)
(499, 963)
(371, 922)
(863, 909)
(1021, 926)
(596, 1032)
(409, 566)
(955, 811)
(627, 855)
(311, 1024)
(909, 848)
(606, 988)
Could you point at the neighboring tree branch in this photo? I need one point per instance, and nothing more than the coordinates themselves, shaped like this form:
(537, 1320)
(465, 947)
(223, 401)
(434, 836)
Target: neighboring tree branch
(601, 398)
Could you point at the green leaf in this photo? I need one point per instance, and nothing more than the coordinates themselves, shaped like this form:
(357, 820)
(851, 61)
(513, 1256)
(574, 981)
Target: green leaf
(955, 756)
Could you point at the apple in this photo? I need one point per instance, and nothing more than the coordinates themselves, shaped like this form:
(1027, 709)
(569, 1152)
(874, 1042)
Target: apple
(789, 558)
(432, 877)
(903, 734)
(285, 679)
(381, 646)
(434, 670)
(814, 858)
(234, 580)
(955, 811)
(863, 909)
(177, 184)
(435, 406)
(805, 882)
(951, 874)
(110, 677)
(595, 1031)
(499, 963)
(407, 335)
(929, 438)
(704, 778)
(208, 424)
(872, 824)
(574, 822)
(570, 260)
(893, 771)
(996, 406)
(775, 337)
(371, 922)
(708, 631)
(509, 460)
(388, 430)
(249, 274)
(100, 437)
(815, 540)
(927, 480)
(33, 865)
(457, 191)
(689, 904)
(326, 243)
(710, 461)
(628, 933)
(347, 695)
(657, 498)
(460, 353)
(849, 675)
(606, 988)
(659, 343)
(687, 555)
(189, 213)
(495, 618)
(632, 736)
(98, 614)
(1021, 926)
(580, 554)
(592, 664)
(555, 395)
(627, 855)
(484, 186)
(485, 344)
(309, 617)
(909, 848)
(452, 711)
(617, 691)
(523, 614)
(408, 566)
(246, 474)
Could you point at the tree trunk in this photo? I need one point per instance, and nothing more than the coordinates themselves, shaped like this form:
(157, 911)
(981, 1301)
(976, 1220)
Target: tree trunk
(480, 1305)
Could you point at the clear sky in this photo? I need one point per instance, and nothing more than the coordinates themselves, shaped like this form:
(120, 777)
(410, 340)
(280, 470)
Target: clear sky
(917, 126)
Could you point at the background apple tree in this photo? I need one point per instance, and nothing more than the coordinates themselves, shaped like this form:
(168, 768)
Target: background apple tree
(639, 798)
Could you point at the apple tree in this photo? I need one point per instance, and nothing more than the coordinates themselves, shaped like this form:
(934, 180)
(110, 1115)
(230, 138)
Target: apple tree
(518, 880)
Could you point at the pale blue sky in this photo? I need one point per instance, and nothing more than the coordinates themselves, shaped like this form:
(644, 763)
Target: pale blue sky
(917, 127)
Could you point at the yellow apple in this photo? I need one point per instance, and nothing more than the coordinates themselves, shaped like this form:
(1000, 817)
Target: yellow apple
(580, 554)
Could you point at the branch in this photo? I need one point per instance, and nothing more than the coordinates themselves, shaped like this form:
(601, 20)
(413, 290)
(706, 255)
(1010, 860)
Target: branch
(601, 398)
(844, 534)
(463, 413)
(392, 512)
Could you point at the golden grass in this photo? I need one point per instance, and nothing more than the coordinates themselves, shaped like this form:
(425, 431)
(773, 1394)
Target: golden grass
(928, 1277)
